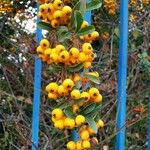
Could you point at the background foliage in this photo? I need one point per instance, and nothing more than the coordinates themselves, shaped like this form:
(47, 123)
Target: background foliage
(17, 51)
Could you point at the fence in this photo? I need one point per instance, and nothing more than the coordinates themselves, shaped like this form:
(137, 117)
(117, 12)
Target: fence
(122, 75)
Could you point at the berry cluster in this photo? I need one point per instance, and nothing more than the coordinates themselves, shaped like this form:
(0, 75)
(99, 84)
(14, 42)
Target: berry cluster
(71, 89)
(87, 137)
(110, 6)
(70, 57)
(56, 91)
(132, 3)
(61, 121)
(48, 1)
(86, 133)
(89, 37)
(146, 2)
(55, 13)
(133, 18)
(137, 8)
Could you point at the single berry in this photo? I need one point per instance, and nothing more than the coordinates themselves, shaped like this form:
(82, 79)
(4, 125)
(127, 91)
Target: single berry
(62, 91)
(71, 145)
(57, 114)
(85, 95)
(84, 135)
(94, 92)
(59, 48)
(52, 96)
(69, 123)
(74, 52)
(44, 43)
(79, 120)
(86, 144)
(59, 124)
(87, 48)
(75, 94)
(52, 87)
(100, 124)
(68, 84)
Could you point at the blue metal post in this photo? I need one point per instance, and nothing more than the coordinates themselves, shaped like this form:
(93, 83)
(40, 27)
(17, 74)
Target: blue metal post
(37, 91)
(123, 51)
(75, 135)
(148, 147)
(87, 17)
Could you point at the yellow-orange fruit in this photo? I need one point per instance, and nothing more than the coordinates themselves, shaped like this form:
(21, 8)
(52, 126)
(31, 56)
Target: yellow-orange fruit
(100, 124)
(84, 24)
(59, 48)
(67, 10)
(85, 95)
(44, 43)
(57, 4)
(57, 14)
(75, 94)
(87, 48)
(79, 120)
(52, 96)
(57, 114)
(74, 52)
(69, 123)
(54, 23)
(68, 84)
(64, 56)
(87, 65)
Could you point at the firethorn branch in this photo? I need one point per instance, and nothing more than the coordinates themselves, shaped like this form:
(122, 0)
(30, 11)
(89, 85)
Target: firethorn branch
(81, 102)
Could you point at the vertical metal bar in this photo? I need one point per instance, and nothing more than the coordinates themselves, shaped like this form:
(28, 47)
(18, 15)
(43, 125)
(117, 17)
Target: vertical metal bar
(88, 18)
(148, 147)
(75, 135)
(37, 91)
(122, 76)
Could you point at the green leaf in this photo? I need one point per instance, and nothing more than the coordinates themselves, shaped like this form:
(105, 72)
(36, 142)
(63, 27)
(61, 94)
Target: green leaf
(62, 104)
(69, 113)
(86, 30)
(116, 31)
(94, 4)
(92, 78)
(75, 68)
(78, 20)
(91, 123)
(88, 109)
(62, 29)
(97, 117)
(80, 6)
(63, 34)
(96, 110)
(97, 107)
(44, 26)
(54, 69)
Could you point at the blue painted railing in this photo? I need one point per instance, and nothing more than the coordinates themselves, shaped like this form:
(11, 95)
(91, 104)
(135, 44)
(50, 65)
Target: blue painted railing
(37, 92)
(122, 76)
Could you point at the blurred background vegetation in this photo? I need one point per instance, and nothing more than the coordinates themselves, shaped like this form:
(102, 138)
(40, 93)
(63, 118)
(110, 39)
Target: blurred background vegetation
(17, 51)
